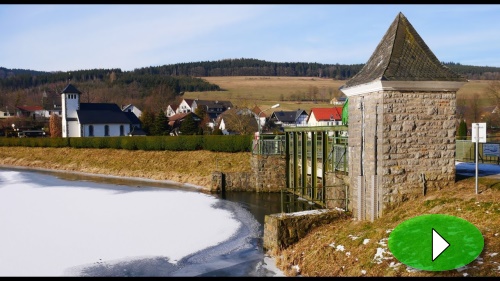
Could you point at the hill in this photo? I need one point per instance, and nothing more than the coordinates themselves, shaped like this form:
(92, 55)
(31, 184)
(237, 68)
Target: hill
(154, 87)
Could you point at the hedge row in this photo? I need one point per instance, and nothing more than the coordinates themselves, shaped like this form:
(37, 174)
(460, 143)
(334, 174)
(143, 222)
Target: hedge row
(232, 143)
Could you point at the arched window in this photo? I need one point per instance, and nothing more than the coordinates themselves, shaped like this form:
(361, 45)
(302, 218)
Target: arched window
(106, 130)
(122, 131)
(91, 131)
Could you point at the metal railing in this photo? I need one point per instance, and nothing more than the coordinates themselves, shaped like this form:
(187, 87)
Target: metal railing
(465, 151)
(269, 145)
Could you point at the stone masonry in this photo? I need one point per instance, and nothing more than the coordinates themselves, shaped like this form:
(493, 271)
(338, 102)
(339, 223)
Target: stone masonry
(267, 175)
(404, 146)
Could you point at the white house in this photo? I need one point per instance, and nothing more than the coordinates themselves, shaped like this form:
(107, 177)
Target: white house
(330, 116)
(338, 100)
(290, 118)
(6, 114)
(185, 106)
(94, 119)
(133, 109)
(171, 110)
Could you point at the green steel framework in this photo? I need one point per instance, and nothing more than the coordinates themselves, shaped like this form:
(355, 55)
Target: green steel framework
(305, 189)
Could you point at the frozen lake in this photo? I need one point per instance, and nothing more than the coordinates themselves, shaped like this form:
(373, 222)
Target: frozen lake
(69, 226)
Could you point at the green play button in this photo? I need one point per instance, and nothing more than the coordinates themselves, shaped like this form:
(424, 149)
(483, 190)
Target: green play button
(436, 242)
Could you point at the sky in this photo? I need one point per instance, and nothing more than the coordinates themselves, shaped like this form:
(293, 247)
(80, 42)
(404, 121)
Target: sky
(53, 227)
(100, 36)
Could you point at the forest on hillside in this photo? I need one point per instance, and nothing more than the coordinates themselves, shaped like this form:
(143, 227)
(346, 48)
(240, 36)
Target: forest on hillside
(155, 87)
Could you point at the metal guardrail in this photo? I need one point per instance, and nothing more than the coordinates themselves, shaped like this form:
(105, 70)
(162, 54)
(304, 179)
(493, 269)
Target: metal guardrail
(465, 151)
(269, 145)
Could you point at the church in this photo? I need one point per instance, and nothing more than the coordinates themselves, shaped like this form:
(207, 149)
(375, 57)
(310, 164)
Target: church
(95, 119)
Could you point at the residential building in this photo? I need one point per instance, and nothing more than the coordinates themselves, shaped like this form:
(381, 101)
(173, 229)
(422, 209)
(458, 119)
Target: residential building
(176, 120)
(51, 103)
(6, 113)
(171, 109)
(290, 118)
(262, 117)
(185, 106)
(338, 100)
(213, 108)
(33, 111)
(329, 116)
(132, 108)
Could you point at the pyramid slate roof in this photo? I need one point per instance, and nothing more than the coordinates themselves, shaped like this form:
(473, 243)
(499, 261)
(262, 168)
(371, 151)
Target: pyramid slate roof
(402, 55)
(70, 89)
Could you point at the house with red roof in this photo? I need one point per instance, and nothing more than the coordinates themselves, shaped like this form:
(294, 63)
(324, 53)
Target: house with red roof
(33, 111)
(329, 116)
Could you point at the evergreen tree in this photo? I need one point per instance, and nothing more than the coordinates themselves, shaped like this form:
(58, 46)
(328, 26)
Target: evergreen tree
(147, 121)
(462, 130)
(160, 127)
(189, 126)
(217, 131)
(201, 111)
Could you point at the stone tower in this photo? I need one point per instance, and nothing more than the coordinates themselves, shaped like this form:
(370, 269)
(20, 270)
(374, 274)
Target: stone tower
(402, 123)
(70, 101)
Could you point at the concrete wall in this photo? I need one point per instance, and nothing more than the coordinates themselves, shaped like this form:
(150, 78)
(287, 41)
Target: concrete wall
(400, 145)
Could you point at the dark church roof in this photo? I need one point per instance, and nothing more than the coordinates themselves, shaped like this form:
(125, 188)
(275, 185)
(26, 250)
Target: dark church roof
(104, 113)
(402, 55)
(70, 89)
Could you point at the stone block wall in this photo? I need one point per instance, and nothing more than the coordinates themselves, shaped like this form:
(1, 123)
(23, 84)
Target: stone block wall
(267, 175)
(284, 229)
(269, 172)
(400, 144)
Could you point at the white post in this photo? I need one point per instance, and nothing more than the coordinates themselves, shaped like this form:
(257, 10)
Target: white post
(477, 154)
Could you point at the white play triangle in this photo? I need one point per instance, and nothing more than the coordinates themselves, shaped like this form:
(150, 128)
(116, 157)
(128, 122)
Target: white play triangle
(438, 244)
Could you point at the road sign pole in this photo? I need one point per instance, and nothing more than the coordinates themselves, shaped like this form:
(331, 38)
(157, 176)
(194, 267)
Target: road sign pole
(477, 153)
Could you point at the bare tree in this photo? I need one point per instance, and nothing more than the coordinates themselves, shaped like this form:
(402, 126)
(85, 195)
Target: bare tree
(240, 121)
(474, 106)
(55, 126)
(160, 98)
(493, 91)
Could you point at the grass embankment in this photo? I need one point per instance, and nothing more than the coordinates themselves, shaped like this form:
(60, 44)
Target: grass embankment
(192, 167)
(339, 249)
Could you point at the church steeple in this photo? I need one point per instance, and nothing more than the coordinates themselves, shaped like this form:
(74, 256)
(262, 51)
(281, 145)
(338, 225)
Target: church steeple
(70, 101)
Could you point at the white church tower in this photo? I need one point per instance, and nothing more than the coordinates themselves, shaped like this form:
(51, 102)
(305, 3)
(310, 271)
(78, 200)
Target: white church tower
(70, 100)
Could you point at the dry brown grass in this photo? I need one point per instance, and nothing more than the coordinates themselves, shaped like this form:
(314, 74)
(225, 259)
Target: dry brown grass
(315, 256)
(266, 91)
(193, 167)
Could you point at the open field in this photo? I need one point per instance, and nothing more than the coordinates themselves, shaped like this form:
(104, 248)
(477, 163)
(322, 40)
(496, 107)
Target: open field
(266, 91)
